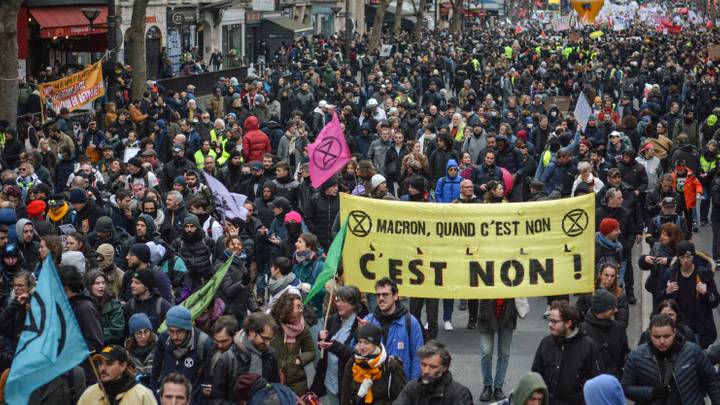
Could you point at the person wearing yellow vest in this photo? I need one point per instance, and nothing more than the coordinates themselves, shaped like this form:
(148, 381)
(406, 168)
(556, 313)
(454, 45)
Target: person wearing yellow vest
(217, 133)
(202, 152)
(508, 52)
(709, 157)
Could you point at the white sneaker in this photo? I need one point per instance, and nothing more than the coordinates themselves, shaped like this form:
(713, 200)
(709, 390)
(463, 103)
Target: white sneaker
(425, 326)
(448, 326)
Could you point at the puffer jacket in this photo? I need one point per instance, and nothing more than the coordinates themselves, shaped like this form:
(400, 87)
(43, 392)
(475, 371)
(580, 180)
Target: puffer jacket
(611, 338)
(565, 364)
(234, 289)
(510, 157)
(692, 373)
(447, 188)
(483, 174)
(320, 215)
(255, 142)
(196, 251)
(558, 177)
(303, 349)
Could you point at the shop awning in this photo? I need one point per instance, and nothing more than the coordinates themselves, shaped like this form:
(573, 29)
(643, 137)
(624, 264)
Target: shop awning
(68, 21)
(297, 27)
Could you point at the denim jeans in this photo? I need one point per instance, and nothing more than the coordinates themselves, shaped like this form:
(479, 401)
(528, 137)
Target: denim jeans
(448, 305)
(487, 344)
(705, 205)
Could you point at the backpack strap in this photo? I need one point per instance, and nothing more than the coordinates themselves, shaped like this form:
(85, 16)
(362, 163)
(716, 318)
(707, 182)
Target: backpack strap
(158, 307)
(202, 340)
(408, 327)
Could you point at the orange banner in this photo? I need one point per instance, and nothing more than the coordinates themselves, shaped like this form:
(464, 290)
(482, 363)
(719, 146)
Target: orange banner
(75, 90)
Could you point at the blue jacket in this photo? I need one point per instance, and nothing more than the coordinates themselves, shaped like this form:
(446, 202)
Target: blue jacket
(396, 339)
(307, 272)
(558, 177)
(8, 217)
(447, 188)
(194, 365)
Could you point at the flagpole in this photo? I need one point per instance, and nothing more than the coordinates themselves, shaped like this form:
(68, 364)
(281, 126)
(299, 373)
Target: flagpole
(100, 384)
(327, 311)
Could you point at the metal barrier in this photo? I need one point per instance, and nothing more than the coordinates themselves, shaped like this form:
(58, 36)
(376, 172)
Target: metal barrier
(203, 82)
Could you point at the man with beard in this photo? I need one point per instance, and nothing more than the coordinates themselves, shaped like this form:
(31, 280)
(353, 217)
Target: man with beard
(175, 214)
(231, 175)
(486, 172)
(609, 335)
(177, 166)
(118, 380)
(285, 185)
(435, 382)
(322, 210)
(402, 334)
(251, 186)
(25, 231)
(196, 248)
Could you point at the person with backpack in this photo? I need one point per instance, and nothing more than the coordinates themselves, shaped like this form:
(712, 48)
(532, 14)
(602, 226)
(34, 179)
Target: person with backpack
(172, 267)
(668, 215)
(371, 376)
(196, 248)
(183, 349)
(145, 297)
(140, 345)
(253, 389)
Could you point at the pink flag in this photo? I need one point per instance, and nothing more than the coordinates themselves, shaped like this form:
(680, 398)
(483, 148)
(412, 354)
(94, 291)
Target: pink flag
(328, 154)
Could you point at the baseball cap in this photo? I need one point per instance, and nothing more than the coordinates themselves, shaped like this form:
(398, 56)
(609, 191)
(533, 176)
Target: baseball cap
(111, 353)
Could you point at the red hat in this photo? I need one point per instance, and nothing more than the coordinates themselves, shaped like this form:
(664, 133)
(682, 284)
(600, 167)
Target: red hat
(608, 225)
(586, 143)
(36, 208)
(522, 134)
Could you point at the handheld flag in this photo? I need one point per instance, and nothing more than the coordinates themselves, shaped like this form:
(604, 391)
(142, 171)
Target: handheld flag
(582, 111)
(331, 263)
(198, 301)
(230, 204)
(51, 342)
(328, 154)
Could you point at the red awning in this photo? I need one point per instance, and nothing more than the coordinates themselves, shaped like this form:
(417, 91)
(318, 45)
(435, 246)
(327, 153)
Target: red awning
(68, 21)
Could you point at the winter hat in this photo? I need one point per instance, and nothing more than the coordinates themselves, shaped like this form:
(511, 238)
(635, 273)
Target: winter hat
(259, 99)
(602, 300)
(107, 253)
(293, 216)
(157, 252)
(179, 317)
(377, 180)
(684, 248)
(418, 183)
(146, 277)
(135, 161)
(104, 224)
(370, 332)
(36, 208)
(582, 189)
(235, 153)
(141, 251)
(332, 181)
(78, 196)
(522, 134)
(280, 202)
(75, 259)
(179, 180)
(608, 225)
(138, 322)
(191, 219)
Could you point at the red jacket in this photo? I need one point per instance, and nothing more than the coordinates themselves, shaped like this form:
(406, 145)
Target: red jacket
(255, 142)
(691, 189)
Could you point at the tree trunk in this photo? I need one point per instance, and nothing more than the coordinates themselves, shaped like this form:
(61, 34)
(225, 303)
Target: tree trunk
(398, 17)
(376, 32)
(9, 62)
(420, 20)
(136, 48)
(457, 17)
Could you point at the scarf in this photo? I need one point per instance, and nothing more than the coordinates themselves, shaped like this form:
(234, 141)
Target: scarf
(184, 347)
(56, 214)
(117, 387)
(366, 370)
(303, 256)
(255, 354)
(275, 286)
(292, 330)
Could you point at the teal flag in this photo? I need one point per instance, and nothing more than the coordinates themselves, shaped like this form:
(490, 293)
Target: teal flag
(331, 263)
(51, 342)
(198, 302)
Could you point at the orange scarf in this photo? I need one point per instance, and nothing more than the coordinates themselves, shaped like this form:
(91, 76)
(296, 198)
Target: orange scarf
(369, 369)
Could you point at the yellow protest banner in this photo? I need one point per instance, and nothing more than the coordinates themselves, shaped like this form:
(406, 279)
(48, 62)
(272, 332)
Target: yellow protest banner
(471, 250)
(75, 90)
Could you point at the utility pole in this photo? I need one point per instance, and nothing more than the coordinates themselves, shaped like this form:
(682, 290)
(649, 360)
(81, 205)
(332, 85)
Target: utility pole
(112, 45)
(348, 31)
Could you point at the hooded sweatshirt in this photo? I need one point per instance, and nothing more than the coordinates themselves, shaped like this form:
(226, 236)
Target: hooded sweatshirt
(529, 383)
(604, 390)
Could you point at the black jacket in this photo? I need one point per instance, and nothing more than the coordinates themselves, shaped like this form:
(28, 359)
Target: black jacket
(320, 216)
(628, 225)
(692, 374)
(566, 364)
(86, 218)
(234, 289)
(445, 392)
(611, 338)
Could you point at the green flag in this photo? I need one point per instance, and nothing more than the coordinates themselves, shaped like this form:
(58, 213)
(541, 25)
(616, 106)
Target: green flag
(331, 263)
(202, 298)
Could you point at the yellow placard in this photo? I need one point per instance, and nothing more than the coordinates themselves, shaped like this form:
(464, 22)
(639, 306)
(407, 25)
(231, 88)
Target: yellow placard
(482, 251)
(75, 90)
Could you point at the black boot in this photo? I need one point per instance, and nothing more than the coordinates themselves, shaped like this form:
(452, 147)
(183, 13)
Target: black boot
(630, 296)
(486, 394)
(463, 305)
(498, 395)
(472, 323)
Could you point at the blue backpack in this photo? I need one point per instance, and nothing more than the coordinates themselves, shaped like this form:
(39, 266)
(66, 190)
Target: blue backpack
(273, 394)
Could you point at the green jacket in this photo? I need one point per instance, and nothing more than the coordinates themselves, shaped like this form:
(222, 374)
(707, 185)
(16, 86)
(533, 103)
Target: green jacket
(112, 319)
(286, 353)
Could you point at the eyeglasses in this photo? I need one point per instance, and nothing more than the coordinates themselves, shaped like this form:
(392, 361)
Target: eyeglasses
(554, 321)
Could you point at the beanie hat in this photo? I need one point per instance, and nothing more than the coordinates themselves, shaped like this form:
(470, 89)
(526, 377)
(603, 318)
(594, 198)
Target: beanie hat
(141, 251)
(608, 225)
(370, 332)
(107, 252)
(179, 180)
(191, 219)
(602, 300)
(36, 208)
(293, 216)
(135, 161)
(684, 247)
(178, 317)
(418, 183)
(78, 196)
(377, 180)
(146, 277)
(582, 189)
(104, 224)
(235, 153)
(138, 322)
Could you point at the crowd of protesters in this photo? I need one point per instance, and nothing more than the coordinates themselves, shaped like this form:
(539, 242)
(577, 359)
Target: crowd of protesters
(468, 119)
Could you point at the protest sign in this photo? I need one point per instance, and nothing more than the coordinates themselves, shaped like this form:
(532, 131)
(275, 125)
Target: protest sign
(484, 251)
(75, 90)
(385, 51)
(714, 51)
(130, 153)
(583, 111)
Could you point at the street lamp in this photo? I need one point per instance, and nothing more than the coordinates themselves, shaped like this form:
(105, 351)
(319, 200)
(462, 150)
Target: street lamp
(335, 11)
(348, 30)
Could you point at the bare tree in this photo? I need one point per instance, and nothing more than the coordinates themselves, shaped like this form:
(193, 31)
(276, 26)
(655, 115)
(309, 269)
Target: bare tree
(398, 16)
(457, 17)
(136, 48)
(419, 19)
(376, 32)
(9, 62)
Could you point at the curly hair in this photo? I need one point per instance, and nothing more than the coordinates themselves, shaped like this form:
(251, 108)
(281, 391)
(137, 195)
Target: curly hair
(283, 308)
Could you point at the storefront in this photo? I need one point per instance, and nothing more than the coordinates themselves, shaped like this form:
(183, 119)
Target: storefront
(232, 28)
(277, 31)
(181, 34)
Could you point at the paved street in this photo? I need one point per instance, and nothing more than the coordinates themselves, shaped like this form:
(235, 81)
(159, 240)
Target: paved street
(465, 344)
